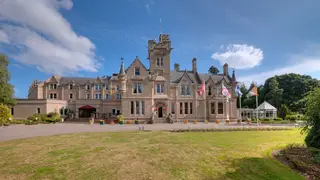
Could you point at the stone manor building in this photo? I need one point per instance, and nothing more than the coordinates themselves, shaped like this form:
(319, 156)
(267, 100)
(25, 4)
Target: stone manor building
(137, 92)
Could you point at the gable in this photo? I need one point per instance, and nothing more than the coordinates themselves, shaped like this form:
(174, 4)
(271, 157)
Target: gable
(137, 64)
(185, 78)
(53, 79)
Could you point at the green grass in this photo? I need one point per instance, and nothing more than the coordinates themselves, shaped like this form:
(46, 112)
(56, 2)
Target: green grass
(149, 155)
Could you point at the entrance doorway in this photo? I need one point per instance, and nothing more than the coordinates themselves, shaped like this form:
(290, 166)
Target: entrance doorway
(86, 111)
(160, 112)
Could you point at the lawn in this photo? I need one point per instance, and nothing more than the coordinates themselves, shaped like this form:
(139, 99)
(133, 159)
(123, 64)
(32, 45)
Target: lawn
(149, 155)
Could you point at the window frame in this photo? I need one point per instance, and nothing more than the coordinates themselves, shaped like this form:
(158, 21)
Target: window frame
(212, 108)
(220, 108)
(137, 73)
(186, 106)
(70, 96)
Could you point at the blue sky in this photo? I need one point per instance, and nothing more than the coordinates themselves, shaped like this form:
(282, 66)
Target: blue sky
(258, 39)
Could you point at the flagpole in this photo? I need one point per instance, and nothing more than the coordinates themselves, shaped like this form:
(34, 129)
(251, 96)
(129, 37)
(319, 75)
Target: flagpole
(240, 107)
(205, 105)
(257, 108)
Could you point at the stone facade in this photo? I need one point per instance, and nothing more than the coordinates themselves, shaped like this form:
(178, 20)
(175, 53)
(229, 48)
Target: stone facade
(140, 93)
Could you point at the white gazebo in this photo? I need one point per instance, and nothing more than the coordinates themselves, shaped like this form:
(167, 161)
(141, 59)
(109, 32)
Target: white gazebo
(266, 110)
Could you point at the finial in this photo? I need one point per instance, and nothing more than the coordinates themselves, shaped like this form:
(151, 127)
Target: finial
(121, 59)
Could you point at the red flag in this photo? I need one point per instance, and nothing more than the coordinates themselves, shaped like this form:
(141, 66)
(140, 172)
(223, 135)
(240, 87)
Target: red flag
(202, 89)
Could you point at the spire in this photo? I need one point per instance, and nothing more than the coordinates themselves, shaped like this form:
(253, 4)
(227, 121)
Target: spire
(233, 76)
(122, 71)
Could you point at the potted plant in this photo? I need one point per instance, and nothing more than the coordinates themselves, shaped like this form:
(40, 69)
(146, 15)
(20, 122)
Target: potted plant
(227, 121)
(249, 121)
(129, 122)
(217, 121)
(136, 121)
(195, 122)
(120, 118)
(101, 122)
(239, 121)
(185, 121)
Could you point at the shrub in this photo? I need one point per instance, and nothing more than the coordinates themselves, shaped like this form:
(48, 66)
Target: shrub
(45, 118)
(312, 125)
(265, 119)
(278, 119)
(5, 114)
(291, 117)
(283, 111)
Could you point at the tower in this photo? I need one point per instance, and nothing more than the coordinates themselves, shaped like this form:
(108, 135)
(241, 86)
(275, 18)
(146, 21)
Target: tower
(159, 59)
(122, 76)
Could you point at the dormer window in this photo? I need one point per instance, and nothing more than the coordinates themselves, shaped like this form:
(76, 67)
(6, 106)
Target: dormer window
(137, 71)
(88, 87)
(185, 90)
(159, 62)
(107, 87)
(52, 86)
(97, 87)
(70, 86)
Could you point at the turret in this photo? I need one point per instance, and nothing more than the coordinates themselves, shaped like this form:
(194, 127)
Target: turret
(122, 76)
(233, 77)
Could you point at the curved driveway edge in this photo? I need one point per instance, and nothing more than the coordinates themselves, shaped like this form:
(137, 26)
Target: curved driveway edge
(27, 131)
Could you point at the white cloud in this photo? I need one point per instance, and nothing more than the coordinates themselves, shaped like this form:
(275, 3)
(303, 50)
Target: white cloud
(307, 65)
(239, 56)
(44, 38)
(3, 37)
(149, 4)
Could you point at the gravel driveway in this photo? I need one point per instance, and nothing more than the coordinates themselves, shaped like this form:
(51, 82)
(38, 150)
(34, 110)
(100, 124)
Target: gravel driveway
(28, 131)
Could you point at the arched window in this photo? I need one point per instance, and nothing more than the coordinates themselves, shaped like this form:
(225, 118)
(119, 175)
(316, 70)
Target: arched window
(159, 62)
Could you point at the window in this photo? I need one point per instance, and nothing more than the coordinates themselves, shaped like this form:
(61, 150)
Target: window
(52, 86)
(70, 86)
(209, 91)
(220, 108)
(54, 96)
(181, 110)
(118, 112)
(137, 71)
(118, 87)
(38, 110)
(190, 110)
(142, 107)
(185, 108)
(137, 107)
(212, 108)
(88, 87)
(107, 96)
(51, 96)
(98, 96)
(70, 96)
(160, 61)
(137, 88)
(107, 87)
(172, 107)
(113, 111)
(97, 87)
(160, 88)
(12, 111)
(185, 90)
(118, 96)
(88, 96)
(132, 107)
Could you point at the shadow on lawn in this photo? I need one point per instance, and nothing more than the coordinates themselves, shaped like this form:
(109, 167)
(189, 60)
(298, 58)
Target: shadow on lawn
(259, 168)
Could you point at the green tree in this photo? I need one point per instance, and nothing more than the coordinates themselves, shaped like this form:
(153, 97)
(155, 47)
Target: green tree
(295, 87)
(312, 126)
(283, 111)
(6, 89)
(213, 70)
(4, 114)
(274, 94)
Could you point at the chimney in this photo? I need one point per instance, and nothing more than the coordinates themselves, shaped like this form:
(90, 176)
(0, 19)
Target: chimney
(177, 67)
(225, 69)
(194, 65)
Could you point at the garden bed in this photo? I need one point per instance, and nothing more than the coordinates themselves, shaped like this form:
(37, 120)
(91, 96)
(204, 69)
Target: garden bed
(302, 159)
